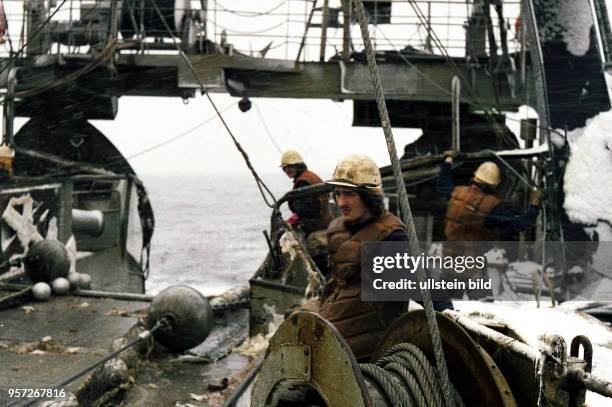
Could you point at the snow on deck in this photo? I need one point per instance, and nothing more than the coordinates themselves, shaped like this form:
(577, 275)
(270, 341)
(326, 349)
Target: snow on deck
(531, 322)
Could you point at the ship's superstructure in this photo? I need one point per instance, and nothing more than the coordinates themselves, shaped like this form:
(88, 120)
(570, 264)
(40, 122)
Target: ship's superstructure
(453, 69)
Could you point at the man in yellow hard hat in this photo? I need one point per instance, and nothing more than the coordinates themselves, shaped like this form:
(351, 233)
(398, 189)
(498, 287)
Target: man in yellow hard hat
(474, 212)
(6, 161)
(313, 212)
(358, 193)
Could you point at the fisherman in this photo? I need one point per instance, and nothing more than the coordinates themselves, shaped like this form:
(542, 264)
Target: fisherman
(6, 162)
(358, 193)
(312, 213)
(475, 214)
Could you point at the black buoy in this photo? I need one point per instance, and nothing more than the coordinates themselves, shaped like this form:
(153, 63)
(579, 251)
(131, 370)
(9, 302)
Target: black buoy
(187, 313)
(244, 105)
(47, 260)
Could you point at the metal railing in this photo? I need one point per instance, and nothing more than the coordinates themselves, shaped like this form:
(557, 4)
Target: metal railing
(278, 28)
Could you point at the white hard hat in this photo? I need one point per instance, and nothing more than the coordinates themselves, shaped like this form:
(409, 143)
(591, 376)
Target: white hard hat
(291, 157)
(357, 171)
(488, 173)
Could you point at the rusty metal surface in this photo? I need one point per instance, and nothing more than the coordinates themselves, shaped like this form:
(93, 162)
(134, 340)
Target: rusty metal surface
(515, 359)
(473, 373)
(268, 296)
(308, 351)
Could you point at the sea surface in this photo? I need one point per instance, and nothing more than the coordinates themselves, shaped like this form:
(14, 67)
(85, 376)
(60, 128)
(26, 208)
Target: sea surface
(208, 229)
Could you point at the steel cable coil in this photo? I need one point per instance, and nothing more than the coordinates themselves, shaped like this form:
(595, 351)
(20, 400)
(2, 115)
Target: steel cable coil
(405, 378)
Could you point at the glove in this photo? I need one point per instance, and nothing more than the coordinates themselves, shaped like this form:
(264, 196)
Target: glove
(535, 197)
(293, 219)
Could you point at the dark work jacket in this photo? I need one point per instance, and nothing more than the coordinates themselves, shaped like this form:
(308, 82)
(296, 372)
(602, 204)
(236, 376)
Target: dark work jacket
(313, 211)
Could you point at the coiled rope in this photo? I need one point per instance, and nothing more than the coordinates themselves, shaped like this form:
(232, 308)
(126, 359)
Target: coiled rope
(405, 378)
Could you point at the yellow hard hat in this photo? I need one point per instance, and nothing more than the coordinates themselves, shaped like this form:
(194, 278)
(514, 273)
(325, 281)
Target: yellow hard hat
(6, 158)
(488, 173)
(6, 151)
(357, 171)
(291, 157)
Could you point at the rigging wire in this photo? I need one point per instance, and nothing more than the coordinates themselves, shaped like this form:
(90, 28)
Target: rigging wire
(507, 164)
(263, 30)
(263, 188)
(250, 13)
(268, 133)
(179, 136)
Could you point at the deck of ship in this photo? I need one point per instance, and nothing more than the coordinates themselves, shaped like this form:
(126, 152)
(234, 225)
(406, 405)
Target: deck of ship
(44, 343)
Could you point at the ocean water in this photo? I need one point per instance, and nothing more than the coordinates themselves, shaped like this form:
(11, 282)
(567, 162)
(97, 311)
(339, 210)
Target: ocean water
(208, 231)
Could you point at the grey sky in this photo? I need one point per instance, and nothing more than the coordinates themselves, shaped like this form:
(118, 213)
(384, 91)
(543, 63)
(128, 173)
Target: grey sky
(320, 129)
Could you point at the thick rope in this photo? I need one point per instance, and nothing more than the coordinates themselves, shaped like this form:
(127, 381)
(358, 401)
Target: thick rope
(403, 198)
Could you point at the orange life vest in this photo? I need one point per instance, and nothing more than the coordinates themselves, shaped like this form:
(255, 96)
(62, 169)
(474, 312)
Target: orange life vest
(467, 209)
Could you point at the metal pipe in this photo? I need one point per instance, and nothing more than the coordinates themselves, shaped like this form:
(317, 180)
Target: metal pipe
(316, 189)
(346, 33)
(272, 252)
(113, 295)
(456, 97)
(233, 295)
(412, 175)
(62, 161)
(244, 385)
(604, 26)
(324, 30)
(477, 155)
(9, 108)
(428, 46)
(493, 337)
(592, 382)
(90, 222)
(114, 28)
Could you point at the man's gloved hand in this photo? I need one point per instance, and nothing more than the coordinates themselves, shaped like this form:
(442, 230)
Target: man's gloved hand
(450, 155)
(293, 219)
(536, 197)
